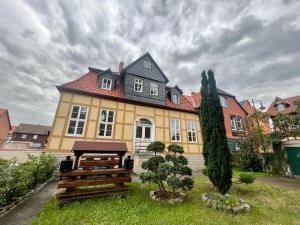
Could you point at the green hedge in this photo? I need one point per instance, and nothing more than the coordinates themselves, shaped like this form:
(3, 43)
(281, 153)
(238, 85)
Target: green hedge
(17, 179)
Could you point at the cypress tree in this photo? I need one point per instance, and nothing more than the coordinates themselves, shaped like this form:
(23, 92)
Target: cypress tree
(219, 166)
(204, 114)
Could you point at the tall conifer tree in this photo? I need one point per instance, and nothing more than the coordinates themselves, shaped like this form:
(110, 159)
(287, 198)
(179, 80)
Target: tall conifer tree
(219, 165)
(205, 115)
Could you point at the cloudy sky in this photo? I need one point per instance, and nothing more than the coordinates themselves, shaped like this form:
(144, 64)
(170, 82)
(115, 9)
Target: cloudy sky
(252, 46)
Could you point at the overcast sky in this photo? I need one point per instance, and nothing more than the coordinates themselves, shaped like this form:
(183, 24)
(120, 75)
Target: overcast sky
(252, 46)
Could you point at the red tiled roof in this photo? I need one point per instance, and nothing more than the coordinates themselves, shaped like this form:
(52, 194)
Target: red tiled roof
(291, 102)
(88, 84)
(99, 146)
(3, 111)
(249, 108)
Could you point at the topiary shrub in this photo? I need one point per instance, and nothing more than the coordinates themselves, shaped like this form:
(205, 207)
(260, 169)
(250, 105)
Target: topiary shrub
(171, 171)
(247, 178)
(156, 146)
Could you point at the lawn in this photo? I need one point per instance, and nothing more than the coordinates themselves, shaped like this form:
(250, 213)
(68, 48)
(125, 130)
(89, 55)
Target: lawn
(270, 205)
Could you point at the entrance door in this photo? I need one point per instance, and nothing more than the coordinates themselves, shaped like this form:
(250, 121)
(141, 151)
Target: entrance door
(294, 159)
(143, 134)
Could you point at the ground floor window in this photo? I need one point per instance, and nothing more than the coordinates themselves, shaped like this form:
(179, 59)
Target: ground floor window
(77, 120)
(191, 129)
(106, 123)
(175, 130)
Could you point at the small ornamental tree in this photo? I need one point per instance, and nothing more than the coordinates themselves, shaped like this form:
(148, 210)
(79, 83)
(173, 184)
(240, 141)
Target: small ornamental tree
(219, 165)
(156, 146)
(204, 114)
(171, 170)
(180, 174)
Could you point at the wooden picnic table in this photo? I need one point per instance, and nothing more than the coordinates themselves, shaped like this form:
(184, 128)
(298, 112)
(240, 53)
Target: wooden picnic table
(96, 163)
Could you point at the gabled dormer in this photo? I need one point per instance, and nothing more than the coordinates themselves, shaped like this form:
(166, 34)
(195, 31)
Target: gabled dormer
(143, 80)
(107, 80)
(175, 94)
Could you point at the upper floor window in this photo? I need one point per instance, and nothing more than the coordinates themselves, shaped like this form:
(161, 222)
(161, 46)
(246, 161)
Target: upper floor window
(224, 102)
(175, 98)
(24, 136)
(147, 64)
(239, 123)
(77, 120)
(175, 130)
(106, 123)
(233, 123)
(237, 146)
(35, 137)
(106, 83)
(191, 129)
(138, 85)
(280, 107)
(153, 88)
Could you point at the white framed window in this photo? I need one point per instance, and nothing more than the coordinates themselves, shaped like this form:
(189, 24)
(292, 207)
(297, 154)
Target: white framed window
(106, 123)
(224, 102)
(175, 130)
(24, 136)
(106, 83)
(138, 85)
(153, 88)
(233, 123)
(237, 146)
(35, 137)
(239, 123)
(147, 64)
(191, 130)
(175, 98)
(77, 120)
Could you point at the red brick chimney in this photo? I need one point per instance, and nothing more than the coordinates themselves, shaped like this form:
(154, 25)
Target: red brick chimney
(121, 67)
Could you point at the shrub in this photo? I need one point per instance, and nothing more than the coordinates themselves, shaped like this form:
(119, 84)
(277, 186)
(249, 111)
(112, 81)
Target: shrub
(171, 170)
(17, 179)
(247, 178)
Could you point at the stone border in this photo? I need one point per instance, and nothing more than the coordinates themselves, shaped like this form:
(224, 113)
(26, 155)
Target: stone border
(19, 200)
(171, 201)
(218, 204)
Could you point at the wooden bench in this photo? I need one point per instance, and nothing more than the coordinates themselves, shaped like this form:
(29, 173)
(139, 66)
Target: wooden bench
(102, 170)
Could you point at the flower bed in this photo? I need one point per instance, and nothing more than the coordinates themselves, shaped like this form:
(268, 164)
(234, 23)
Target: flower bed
(226, 203)
(16, 180)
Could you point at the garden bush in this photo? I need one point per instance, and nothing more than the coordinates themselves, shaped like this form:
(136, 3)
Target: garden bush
(17, 179)
(247, 178)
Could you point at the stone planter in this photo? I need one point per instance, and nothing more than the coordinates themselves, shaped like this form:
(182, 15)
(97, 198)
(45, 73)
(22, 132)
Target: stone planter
(179, 198)
(219, 202)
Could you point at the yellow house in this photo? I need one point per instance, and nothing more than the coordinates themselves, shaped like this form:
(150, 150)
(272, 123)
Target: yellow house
(133, 105)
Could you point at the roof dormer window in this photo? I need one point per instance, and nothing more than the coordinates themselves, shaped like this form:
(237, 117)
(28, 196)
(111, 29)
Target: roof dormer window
(106, 84)
(138, 85)
(281, 107)
(147, 64)
(175, 98)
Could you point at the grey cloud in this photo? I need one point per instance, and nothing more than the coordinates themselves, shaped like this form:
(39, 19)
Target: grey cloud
(252, 47)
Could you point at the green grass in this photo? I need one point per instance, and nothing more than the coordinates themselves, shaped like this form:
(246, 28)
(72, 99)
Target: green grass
(256, 174)
(270, 205)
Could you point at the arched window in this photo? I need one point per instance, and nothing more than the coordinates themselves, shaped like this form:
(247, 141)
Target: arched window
(143, 129)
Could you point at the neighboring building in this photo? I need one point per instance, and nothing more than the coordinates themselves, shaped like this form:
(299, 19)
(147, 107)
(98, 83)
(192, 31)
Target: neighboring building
(10, 133)
(262, 119)
(134, 105)
(234, 117)
(282, 105)
(36, 135)
(5, 125)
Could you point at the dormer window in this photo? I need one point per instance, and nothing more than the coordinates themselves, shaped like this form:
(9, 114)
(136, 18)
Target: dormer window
(106, 84)
(175, 98)
(147, 64)
(280, 107)
(224, 102)
(138, 85)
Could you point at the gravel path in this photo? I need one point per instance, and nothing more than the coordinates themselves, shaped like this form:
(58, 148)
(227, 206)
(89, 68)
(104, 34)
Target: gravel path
(24, 213)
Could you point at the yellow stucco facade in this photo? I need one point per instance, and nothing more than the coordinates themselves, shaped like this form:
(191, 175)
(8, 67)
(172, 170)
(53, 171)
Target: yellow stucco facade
(123, 126)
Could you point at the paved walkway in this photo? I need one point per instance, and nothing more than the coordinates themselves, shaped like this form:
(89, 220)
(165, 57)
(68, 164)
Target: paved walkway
(24, 213)
(285, 182)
